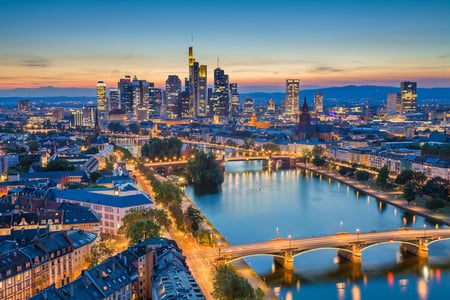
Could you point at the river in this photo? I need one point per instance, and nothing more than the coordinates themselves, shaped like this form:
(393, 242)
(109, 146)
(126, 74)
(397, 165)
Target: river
(254, 206)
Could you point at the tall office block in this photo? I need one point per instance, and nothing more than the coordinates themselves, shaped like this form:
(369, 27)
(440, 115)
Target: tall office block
(318, 102)
(126, 94)
(408, 97)
(183, 104)
(101, 98)
(173, 88)
(202, 92)
(198, 97)
(114, 99)
(235, 101)
(270, 106)
(249, 107)
(221, 96)
(141, 99)
(76, 118)
(393, 103)
(292, 96)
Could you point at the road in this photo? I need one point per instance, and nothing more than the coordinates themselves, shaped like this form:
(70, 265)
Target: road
(336, 240)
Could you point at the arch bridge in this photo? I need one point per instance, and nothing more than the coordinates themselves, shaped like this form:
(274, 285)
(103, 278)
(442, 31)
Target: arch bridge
(349, 246)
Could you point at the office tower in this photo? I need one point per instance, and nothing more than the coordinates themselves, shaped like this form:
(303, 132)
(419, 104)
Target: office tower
(101, 98)
(173, 88)
(292, 96)
(183, 104)
(186, 85)
(58, 114)
(393, 103)
(270, 106)
(318, 102)
(235, 101)
(151, 100)
(23, 105)
(202, 92)
(408, 96)
(157, 94)
(221, 95)
(248, 106)
(76, 118)
(89, 115)
(140, 99)
(126, 94)
(113, 99)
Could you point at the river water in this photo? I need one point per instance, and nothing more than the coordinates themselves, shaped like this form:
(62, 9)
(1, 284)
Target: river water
(251, 204)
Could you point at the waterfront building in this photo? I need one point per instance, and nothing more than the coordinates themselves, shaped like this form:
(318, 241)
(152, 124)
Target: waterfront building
(292, 96)
(408, 97)
(101, 98)
(318, 102)
(173, 89)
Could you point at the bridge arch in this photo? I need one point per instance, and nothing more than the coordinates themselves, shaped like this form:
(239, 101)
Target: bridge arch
(253, 255)
(389, 242)
(436, 240)
(322, 248)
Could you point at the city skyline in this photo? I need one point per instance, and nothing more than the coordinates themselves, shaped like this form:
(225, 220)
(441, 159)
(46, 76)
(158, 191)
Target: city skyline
(322, 43)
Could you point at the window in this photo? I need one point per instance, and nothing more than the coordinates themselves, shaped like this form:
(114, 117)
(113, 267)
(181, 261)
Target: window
(18, 277)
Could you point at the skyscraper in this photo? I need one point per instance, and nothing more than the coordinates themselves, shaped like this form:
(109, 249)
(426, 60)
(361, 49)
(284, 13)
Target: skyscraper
(221, 96)
(126, 94)
(197, 87)
(393, 103)
(114, 99)
(292, 96)
(270, 106)
(408, 97)
(101, 99)
(183, 104)
(235, 101)
(248, 106)
(318, 102)
(173, 88)
(141, 99)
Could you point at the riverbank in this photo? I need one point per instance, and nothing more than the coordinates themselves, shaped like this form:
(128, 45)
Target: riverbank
(402, 204)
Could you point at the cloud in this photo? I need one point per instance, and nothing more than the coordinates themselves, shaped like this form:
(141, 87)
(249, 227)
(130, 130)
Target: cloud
(34, 62)
(323, 69)
(444, 56)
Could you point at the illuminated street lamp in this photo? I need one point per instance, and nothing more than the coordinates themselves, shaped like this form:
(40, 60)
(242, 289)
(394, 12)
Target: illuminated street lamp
(341, 223)
(289, 236)
(357, 234)
(425, 230)
(277, 232)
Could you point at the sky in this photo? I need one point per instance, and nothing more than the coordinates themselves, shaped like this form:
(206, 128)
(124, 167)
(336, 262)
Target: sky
(259, 43)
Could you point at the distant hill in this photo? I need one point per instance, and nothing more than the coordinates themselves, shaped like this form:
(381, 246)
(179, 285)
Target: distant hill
(350, 94)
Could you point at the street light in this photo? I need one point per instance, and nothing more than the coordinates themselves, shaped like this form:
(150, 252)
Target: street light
(425, 230)
(289, 236)
(341, 225)
(277, 232)
(357, 234)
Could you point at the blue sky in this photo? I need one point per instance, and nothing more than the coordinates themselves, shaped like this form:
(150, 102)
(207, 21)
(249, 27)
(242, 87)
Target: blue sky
(323, 43)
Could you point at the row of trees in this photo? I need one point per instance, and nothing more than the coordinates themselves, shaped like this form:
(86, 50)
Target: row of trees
(157, 148)
(230, 286)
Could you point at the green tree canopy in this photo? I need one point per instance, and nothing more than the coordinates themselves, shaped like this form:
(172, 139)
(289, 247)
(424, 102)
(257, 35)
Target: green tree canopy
(362, 175)
(272, 147)
(92, 150)
(134, 128)
(142, 230)
(94, 176)
(157, 148)
(204, 170)
(437, 187)
(404, 177)
(59, 165)
(409, 191)
(382, 177)
(230, 286)
(167, 194)
(99, 253)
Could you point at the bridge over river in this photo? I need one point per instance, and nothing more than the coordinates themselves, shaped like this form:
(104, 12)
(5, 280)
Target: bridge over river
(348, 245)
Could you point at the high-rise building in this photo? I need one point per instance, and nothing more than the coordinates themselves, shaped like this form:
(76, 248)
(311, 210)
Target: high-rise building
(186, 85)
(114, 99)
(58, 114)
(89, 115)
(393, 103)
(249, 107)
(23, 105)
(292, 96)
(101, 98)
(158, 96)
(151, 100)
(76, 118)
(141, 96)
(270, 106)
(183, 104)
(318, 102)
(221, 96)
(197, 87)
(202, 92)
(408, 97)
(173, 88)
(235, 101)
(126, 94)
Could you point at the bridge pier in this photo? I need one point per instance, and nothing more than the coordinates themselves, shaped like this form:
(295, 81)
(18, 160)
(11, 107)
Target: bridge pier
(287, 262)
(420, 250)
(353, 256)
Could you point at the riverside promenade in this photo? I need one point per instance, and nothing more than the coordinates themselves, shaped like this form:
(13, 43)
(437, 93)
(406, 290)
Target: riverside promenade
(400, 203)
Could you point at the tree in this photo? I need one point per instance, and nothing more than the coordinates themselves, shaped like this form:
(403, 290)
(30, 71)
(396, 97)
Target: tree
(34, 146)
(204, 170)
(109, 163)
(177, 214)
(157, 148)
(362, 175)
(116, 127)
(437, 187)
(94, 176)
(435, 203)
(272, 147)
(230, 143)
(99, 253)
(194, 216)
(249, 143)
(167, 194)
(404, 177)
(318, 161)
(25, 163)
(92, 150)
(59, 165)
(317, 151)
(134, 128)
(230, 286)
(409, 191)
(382, 177)
(142, 230)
